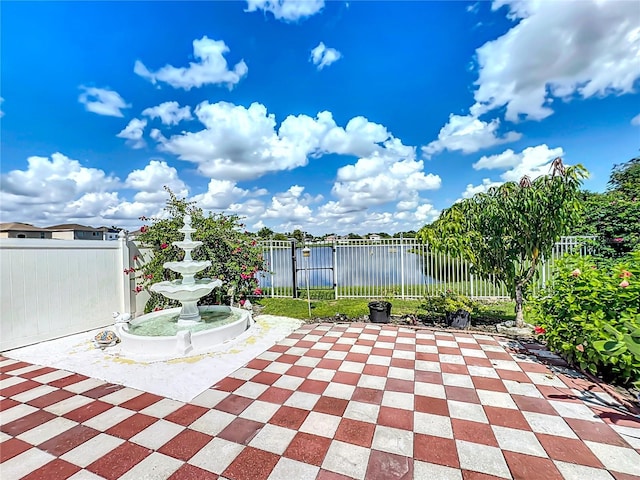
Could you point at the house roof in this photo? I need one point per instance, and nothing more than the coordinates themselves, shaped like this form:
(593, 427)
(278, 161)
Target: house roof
(23, 227)
(72, 226)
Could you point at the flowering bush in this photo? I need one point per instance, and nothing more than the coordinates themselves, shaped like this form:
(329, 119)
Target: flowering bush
(235, 257)
(588, 309)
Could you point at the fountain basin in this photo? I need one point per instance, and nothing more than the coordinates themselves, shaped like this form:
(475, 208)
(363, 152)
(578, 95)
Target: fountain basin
(187, 340)
(187, 268)
(186, 292)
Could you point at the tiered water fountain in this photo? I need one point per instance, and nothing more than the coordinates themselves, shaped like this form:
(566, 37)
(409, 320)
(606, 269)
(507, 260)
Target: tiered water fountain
(188, 329)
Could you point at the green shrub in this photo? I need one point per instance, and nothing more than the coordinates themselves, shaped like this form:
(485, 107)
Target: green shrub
(235, 257)
(590, 314)
(447, 302)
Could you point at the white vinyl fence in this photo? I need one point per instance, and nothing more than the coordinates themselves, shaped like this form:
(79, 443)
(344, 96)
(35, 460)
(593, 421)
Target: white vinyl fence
(52, 288)
(393, 267)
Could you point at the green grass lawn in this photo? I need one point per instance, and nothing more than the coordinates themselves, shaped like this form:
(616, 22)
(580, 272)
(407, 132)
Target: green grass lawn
(353, 308)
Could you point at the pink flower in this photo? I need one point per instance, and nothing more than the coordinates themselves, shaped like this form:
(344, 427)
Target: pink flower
(143, 229)
(539, 330)
(626, 274)
(241, 302)
(253, 243)
(157, 309)
(576, 272)
(624, 284)
(135, 258)
(163, 246)
(257, 291)
(138, 288)
(127, 271)
(150, 276)
(580, 347)
(618, 240)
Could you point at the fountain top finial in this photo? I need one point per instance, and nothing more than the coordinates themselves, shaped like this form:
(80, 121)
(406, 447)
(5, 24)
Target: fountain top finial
(187, 220)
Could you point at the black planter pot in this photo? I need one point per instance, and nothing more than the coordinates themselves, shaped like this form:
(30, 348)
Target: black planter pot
(380, 312)
(459, 319)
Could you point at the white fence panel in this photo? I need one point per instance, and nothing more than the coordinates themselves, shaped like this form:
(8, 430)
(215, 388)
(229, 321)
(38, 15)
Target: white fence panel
(52, 288)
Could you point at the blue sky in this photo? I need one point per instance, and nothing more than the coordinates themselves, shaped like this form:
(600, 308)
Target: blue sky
(324, 116)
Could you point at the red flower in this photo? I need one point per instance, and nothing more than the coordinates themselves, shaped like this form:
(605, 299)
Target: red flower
(138, 288)
(618, 240)
(626, 274)
(150, 276)
(143, 229)
(241, 302)
(253, 243)
(135, 258)
(157, 309)
(257, 291)
(163, 246)
(539, 330)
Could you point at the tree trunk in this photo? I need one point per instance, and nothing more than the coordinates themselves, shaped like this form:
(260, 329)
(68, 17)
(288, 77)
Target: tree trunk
(519, 312)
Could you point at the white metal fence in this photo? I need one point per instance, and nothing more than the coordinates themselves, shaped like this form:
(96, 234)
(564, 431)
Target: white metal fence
(52, 288)
(394, 267)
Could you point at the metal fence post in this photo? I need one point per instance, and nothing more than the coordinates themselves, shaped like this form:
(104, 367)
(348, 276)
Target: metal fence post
(294, 269)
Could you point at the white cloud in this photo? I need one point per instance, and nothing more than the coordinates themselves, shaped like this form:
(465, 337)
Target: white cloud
(133, 133)
(221, 194)
(321, 56)
(151, 180)
(211, 68)
(558, 50)
(286, 10)
(102, 101)
(532, 161)
(486, 184)
(636, 120)
(241, 143)
(170, 113)
(291, 206)
(1, 112)
(468, 134)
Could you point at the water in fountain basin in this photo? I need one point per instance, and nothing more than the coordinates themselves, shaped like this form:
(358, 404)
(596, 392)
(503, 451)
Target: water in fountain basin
(166, 325)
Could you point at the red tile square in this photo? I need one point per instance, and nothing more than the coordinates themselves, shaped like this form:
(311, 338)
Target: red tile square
(90, 410)
(279, 348)
(473, 432)
(449, 351)
(307, 448)
(398, 385)
(328, 475)
(504, 417)
(50, 398)
(299, 371)
(313, 386)
(511, 375)
(22, 424)
(568, 450)
(461, 394)
(376, 370)
(427, 357)
(396, 418)
(275, 395)
(357, 357)
(14, 366)
(286, 358)
(472, 475)
(119, 460)
(426, 341)
(478, 362)
(367, 395)
(559, 394)
(102, 390)
(252, 464)
(492, 384)
(18, 388)
(266, 378)
(68, 440)
(312, 352)
(438, 450)
(526, 467)
(436, 406)
(407, 347)
(383, 352)
(304, 344)
(37, 373)
(12, 447)
(532, 404)
(403, 363)
(241, 431)
(258, 364)
(68, 380)
(131, 426)
(289, 417)
(186, 415)
(428, 377)
(454, 368)
(191, 472)
(534, 367)
(185, 445)
(331, 406)
(355, 432)
(228, 384)
(141, 402)
(57, 468)
(7, 403)
(329, 364)
(234, 404)
(388, 466)
(341, 347)
(596, 432)
(498, 355)
(346, 377)
(326, 339)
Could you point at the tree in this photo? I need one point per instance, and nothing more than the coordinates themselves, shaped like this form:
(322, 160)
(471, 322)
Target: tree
(504, 232)
(298, 235)
(265, 232)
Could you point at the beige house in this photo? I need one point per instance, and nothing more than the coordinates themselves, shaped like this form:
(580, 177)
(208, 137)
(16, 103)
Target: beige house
(73, 231)
(23, 230)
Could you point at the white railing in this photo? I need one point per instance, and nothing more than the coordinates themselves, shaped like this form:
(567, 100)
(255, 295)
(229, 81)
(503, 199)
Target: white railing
(52, 288)
(393, 267)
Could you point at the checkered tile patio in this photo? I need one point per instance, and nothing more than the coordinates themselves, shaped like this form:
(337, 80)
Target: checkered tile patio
(329, 402)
